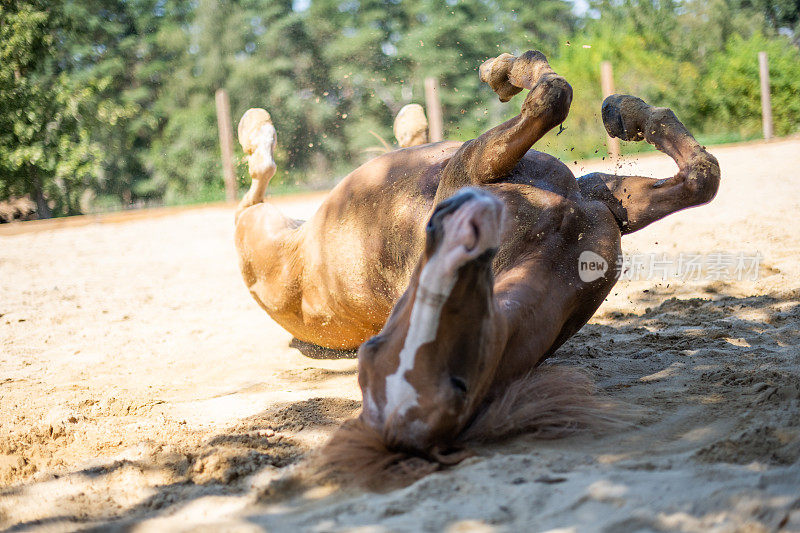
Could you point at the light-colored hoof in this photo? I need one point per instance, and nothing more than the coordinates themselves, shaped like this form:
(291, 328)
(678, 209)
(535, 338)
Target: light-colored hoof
(251, 127)
(508, 75)
(411, 126)
(495, 72)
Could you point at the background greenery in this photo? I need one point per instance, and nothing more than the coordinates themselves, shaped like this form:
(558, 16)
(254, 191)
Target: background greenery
(110, 103)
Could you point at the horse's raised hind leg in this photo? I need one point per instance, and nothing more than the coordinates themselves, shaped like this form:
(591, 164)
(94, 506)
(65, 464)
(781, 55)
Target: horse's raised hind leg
(637, 201)
(257, 137)
(493, 155)
(265, 239)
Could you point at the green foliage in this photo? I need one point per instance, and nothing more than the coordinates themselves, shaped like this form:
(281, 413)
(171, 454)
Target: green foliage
(731, 92)
(783, 15)
(78, 83)
(142, 41)
(380, 52)
(45, 149)
(107, 102)
(698, 58)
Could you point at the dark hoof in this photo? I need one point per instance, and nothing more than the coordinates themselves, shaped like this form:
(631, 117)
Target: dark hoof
(623, 116)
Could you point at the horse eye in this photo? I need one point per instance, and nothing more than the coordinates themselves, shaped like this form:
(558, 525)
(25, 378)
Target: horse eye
(459, 384)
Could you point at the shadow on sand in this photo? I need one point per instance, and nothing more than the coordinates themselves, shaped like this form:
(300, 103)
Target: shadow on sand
(737, 354)
(313, 351)
(217, 467)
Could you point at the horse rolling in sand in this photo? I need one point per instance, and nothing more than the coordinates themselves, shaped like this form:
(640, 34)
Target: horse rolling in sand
(457, 312)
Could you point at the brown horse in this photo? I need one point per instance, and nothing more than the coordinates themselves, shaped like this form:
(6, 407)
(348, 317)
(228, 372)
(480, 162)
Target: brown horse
(460, 310)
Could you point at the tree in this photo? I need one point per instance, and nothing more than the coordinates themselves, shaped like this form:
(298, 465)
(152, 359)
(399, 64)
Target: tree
(730, 91)
(115, 98)
(134, 45)
(782, 15)
(381, 51)
(45, 150)
(77, 81)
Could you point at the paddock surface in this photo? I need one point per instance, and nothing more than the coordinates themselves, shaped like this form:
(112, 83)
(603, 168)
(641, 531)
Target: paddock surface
(141, 386)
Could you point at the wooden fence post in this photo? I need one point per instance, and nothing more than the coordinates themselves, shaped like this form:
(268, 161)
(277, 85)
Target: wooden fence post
(607, 85)
(766, 105)
(434, 108)
(226, 142)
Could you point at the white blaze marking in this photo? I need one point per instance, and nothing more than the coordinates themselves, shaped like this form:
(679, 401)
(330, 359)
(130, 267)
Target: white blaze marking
(432, 292)
(370, 408)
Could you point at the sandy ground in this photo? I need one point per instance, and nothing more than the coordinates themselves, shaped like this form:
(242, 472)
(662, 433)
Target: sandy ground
(142, 388)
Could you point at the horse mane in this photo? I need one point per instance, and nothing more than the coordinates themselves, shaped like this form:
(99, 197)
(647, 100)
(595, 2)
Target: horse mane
(358, 454)
(549, 402)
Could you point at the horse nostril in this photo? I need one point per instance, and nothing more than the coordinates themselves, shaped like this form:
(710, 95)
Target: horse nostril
(459, 384)
(476, 229)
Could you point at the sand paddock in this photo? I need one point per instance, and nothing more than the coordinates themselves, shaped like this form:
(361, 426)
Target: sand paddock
(140, 385)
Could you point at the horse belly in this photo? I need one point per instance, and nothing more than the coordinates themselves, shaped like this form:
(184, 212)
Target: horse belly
(361, 246)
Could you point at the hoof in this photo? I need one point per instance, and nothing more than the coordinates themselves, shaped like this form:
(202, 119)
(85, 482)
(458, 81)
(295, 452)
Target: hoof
(624, 116)
(250, 128)
(495, 72)
(411, 126)
(508, 75)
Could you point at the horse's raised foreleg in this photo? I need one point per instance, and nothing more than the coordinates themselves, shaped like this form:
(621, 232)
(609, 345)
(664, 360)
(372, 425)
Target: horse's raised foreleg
(637, 201)
(493, 155)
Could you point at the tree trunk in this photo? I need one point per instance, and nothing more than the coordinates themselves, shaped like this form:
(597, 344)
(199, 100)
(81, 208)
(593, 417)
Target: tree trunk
(42, 209)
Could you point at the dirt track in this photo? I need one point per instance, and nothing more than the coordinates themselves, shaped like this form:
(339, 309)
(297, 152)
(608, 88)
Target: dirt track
(140, 384)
